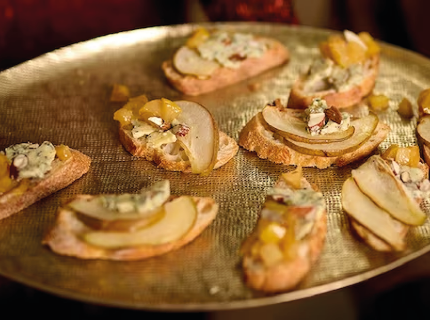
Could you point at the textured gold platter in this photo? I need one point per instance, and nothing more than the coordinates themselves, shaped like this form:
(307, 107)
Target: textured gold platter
(63, 97)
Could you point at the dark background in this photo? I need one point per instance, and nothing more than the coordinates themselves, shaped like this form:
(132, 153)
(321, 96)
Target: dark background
(29, 28)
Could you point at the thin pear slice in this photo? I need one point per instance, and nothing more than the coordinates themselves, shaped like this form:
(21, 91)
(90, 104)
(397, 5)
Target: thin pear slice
(368, 214)
(364, 128)
(188, 61)
(122, 225)
(295, 128)
(376, 180)
(146, 204)
(202, 141)
(423, 130)
(180, 216)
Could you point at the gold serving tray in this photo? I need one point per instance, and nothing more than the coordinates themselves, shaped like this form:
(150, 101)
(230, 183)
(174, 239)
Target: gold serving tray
(63, 97)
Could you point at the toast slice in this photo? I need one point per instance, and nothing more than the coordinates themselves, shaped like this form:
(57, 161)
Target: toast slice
(276, 55)
(62, 174)
(415, 190)
(256, 136)
(283, 270)
(172, 156)
(300, 98)
(66, 237)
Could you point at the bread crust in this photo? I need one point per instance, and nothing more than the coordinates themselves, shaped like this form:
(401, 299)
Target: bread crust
(62, 174)
(287, 275)
(227, 150)
(65, 236)
(298, 99)
(190, 85)
(257, 137)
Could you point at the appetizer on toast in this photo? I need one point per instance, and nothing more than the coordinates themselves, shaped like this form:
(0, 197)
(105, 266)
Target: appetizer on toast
(383, 196)
(343, 75)
(214, 59)
(423, 126)
(30, 172)
(177, 136)
(289, 235)
(129, 226)
(319, 136)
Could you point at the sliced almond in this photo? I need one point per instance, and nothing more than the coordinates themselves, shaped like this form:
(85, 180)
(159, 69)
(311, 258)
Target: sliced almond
(376, 180)
(334, 114)
(362, 209)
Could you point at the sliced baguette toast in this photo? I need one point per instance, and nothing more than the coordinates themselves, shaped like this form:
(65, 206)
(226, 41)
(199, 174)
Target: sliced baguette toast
(256, 136)
(62, 174)
(172, 157)
(65, 237)
(299, 99)
(287, 273)
(191, 85)
(402, 229)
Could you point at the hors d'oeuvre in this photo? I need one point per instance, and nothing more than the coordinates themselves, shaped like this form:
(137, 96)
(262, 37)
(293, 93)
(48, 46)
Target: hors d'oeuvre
(213, 59)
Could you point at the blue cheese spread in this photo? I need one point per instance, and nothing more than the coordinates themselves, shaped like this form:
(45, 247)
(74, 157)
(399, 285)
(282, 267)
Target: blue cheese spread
(30, 159)
(310, 202)
(413, 179)
(230, 50)
(153, 136)
(148, 200)
(324, 75)
(319, 123)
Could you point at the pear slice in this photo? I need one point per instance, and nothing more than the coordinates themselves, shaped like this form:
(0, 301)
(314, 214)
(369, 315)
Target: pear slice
(363, 210)
(202, 141)
(144, 204)
(364, 128)
(188, 61)
(180, 216)
(376, 180)
(423, 130)
(124, 225)
(294, 128)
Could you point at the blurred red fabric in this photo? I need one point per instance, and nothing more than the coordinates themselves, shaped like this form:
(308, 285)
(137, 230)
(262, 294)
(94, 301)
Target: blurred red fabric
(29, 28)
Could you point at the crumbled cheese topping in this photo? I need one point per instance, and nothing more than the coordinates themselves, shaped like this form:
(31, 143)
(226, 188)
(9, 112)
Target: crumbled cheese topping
(413, 179)
(30, 159)
(319, 124)
(231, 49)
(148, 200)
(324, 74)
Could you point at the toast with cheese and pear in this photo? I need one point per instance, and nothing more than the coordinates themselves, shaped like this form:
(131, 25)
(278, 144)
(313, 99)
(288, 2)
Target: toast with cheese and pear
(211, 60)
(289, 235)
(129, 226)
(280, 135)
(175, 135)
(343, 75)
(30, 172)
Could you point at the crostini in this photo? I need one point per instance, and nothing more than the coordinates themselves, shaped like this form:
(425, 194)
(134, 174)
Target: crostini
(345, 72)
(383, 195)
(423, 126)
(176, 135)
(289, 235)
(319, 136)
(129, 226)
(30, 172)
(211, 60)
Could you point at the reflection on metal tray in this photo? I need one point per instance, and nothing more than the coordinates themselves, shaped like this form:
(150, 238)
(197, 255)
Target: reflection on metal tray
(63, 97)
